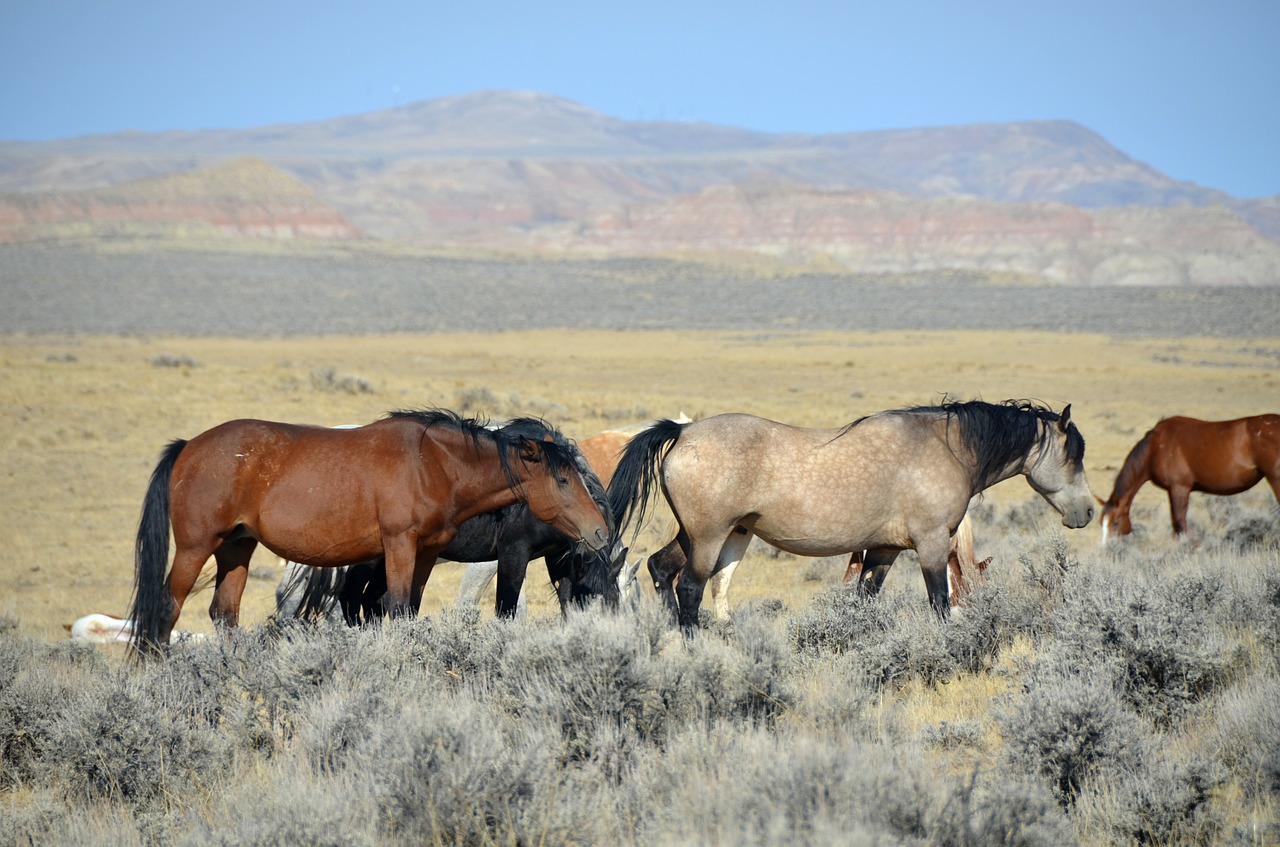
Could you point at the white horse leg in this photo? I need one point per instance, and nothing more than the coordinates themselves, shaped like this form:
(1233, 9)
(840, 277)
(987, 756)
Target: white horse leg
(475, 579)
(719, 585)
(730, 557)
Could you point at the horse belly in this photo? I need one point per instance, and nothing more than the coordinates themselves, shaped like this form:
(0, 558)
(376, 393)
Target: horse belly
(317, 527)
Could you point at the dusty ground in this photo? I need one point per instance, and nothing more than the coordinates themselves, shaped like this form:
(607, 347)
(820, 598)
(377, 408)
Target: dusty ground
(85, 416)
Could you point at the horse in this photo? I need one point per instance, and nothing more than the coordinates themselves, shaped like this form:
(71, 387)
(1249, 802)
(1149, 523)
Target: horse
(896, 480)
(959, 559)
(398, 488)
(108, 629)
(513, 536)
(1181, 455)
(664, 567)
(478, 576)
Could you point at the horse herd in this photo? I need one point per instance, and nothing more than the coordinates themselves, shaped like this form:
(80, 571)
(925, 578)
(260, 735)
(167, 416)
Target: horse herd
(368, 511)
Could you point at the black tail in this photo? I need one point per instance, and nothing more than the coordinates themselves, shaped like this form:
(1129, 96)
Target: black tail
(637, 472)
(309, 594)
(152, 604)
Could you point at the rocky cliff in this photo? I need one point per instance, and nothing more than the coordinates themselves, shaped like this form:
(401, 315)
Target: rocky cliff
(240, 198)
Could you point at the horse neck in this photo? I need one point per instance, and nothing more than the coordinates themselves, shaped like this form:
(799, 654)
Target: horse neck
(1135, 473)
(480, 484)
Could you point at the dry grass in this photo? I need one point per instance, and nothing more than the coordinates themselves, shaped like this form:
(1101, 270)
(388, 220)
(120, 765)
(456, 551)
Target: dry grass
(83, 418)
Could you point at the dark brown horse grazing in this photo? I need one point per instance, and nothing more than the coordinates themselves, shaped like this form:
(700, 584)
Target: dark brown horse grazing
(1182, 455)
(397, 488)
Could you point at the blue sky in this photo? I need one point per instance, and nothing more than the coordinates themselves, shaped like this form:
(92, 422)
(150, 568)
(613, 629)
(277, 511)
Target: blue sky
(1192, 88)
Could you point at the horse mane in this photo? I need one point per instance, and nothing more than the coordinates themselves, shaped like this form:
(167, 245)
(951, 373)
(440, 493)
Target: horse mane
(556, 456)
(536, 430)
(1134, 470)
(997, 434)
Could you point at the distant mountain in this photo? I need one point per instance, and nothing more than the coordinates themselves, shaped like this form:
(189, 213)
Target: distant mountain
(242, 197)
(889, 232)
(514, 169)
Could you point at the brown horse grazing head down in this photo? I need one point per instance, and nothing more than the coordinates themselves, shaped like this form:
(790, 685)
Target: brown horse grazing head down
(397, 489)
(1182, 455)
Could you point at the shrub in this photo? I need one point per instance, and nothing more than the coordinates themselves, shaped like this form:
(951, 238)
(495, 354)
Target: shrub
(1068, 725)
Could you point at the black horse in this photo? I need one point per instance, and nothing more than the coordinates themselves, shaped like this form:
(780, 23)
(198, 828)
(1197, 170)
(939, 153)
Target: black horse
(511, 535)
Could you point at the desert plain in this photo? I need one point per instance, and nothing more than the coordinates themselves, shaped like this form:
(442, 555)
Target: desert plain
(87, 407)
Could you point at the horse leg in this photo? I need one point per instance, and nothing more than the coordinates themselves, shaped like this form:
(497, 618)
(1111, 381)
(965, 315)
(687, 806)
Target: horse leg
(854, 570)
(663, 567)
(513, 564)
(233, 570)
(424, 564)
(719, 585)
(187, 564)
(875, 567)
(698, 570)
(723, 576)
(1179, 499)
(933, 551)
(401, 565)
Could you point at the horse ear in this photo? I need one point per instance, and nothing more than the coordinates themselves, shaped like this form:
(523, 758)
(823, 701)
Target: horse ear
(1065, 418)
(528, 449)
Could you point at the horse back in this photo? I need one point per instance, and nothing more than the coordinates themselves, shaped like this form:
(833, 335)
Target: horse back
(1221, 457)
(276, 479)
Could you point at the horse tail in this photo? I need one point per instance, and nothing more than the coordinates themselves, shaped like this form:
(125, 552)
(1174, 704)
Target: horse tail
(152, 605)
(307, 593)
(637, 471)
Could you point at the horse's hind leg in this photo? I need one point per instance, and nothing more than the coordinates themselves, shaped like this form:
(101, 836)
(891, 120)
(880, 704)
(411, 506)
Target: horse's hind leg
(699, 568)
(875, 567)
(726, 566)
(663, 567)
(187, 564)
(233, 571)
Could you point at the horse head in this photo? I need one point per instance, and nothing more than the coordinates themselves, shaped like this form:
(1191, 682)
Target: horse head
(1057, 470)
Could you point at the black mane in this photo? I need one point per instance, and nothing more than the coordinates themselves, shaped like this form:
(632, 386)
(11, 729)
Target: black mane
(556, 455)
(998, 434)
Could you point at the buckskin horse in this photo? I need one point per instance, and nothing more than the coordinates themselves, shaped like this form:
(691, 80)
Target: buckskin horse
(665, 565)
(897, 480)
(398, 489)
(1181, 455)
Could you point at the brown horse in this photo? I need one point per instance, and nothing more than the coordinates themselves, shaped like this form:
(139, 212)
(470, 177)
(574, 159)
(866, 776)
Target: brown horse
(398, 488)
(1182, 455)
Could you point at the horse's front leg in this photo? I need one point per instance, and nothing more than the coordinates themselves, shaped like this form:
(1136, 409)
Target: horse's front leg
(424, 564)
(513, 563)
(934, 551)
(1179, 500)
(401, 556)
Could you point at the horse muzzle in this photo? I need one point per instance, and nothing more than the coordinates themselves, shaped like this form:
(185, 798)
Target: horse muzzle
(1077, 518)
(596, 541)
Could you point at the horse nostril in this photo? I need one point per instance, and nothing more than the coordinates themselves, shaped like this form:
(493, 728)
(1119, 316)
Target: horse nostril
(602, 536)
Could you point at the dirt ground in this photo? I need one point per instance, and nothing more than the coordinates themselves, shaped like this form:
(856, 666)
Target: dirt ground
(85, 416)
